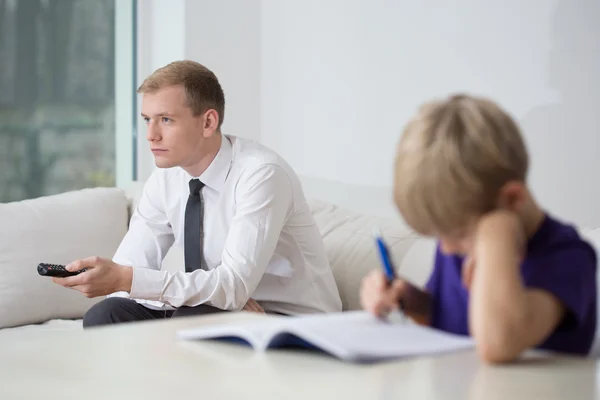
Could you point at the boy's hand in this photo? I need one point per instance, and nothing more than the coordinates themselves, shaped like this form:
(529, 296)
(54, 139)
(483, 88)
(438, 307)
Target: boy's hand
(501, 227)
(378, 297)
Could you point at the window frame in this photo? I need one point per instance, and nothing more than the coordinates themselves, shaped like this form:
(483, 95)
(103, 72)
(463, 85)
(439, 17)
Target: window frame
(125, 92)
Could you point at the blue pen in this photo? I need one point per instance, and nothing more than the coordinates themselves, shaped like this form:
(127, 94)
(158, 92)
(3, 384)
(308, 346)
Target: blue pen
(388, 269)
(384, 255)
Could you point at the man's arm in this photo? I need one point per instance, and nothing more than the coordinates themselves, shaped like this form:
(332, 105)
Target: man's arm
(505, 317)
(144, 246)
(264, 201)
(150, 235)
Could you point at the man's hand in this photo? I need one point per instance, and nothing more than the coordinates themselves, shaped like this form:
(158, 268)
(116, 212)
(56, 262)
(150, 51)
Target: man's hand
(253, 306)
(102, 277)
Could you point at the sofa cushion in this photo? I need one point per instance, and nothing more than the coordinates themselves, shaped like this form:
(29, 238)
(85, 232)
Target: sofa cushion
(54, 229)
(51, 327)
(348, 238)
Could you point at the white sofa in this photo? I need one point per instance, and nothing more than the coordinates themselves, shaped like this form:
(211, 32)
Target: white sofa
(64, 227)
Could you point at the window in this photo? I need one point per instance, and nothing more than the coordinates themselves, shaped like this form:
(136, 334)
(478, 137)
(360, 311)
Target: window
(58, 126)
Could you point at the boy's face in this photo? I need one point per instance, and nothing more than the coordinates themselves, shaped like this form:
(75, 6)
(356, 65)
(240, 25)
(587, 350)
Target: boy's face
(458, 244)
(513, 197)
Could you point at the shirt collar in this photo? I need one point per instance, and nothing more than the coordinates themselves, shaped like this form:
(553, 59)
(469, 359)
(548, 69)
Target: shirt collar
(215, 175)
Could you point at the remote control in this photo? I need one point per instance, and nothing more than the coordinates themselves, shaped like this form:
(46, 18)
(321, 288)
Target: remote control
(56, 270)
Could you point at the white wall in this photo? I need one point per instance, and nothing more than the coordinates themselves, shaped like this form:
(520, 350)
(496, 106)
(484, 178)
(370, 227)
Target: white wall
(340, 78)
(332, 83)
(224, 36)
(161, 40)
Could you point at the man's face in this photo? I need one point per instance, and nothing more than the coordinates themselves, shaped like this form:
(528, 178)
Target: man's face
(175, 135)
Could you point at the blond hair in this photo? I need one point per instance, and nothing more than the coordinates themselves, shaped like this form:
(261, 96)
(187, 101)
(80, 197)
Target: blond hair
(202, 88)
(452, 160)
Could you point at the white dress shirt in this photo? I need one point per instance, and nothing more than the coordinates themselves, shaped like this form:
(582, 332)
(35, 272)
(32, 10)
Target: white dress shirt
(260, 238)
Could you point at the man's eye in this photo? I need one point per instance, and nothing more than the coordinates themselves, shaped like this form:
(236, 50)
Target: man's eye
(166, 119)
(147, 120)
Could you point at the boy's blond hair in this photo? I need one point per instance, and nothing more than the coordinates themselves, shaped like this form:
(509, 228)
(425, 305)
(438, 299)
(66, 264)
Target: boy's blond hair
(453, 158)
(202, 88)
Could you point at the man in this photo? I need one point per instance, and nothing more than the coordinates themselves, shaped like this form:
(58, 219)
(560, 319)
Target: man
(237, 208)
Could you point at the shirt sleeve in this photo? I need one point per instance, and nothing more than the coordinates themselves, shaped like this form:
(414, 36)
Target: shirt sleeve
(150, 235)
(569, 273)
(264, 200)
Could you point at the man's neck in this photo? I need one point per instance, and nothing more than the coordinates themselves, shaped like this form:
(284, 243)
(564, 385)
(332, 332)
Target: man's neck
(212, 147)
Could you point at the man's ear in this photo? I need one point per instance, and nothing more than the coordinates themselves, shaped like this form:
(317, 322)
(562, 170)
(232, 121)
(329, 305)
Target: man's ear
(513, 196)
(210, 122)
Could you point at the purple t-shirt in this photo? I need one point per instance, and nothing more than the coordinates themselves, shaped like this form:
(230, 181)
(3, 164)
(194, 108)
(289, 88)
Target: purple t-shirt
(557, 261)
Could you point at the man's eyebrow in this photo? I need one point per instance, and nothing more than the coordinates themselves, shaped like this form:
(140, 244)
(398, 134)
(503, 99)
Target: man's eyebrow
(161, 114)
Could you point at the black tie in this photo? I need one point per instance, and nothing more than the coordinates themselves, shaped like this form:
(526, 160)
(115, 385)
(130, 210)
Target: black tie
(193, 228)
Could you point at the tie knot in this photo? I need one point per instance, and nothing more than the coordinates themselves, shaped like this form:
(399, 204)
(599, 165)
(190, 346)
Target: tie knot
(196, 186)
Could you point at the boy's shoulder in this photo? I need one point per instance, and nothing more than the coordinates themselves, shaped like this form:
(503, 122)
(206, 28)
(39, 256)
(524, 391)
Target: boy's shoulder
(559, 261)
(557, 237)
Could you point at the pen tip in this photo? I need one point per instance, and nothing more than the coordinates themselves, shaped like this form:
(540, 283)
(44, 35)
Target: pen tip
(376, 231)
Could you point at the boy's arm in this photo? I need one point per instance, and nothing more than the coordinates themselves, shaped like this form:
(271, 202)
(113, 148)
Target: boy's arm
(416, 304)
(505, 317)
(419, 304)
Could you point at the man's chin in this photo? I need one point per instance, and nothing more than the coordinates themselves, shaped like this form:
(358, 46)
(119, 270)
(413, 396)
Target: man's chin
(163, 163)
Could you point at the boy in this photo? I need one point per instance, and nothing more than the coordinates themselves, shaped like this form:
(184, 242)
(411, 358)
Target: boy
(506, 272)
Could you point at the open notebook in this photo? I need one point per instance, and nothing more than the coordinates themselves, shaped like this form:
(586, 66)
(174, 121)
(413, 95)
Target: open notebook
(351, 336)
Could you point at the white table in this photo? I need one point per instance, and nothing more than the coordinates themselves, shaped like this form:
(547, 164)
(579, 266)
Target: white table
(146, 361)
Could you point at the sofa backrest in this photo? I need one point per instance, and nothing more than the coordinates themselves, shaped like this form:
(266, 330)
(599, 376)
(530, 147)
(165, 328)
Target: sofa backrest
(350, 246)
(64, 227)
(54, 229)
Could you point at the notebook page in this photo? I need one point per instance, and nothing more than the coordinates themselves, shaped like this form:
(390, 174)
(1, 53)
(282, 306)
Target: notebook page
(359, 336)
(257, 333)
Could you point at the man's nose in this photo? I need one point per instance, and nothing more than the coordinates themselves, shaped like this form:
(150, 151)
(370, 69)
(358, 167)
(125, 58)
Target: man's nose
(153, 132)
